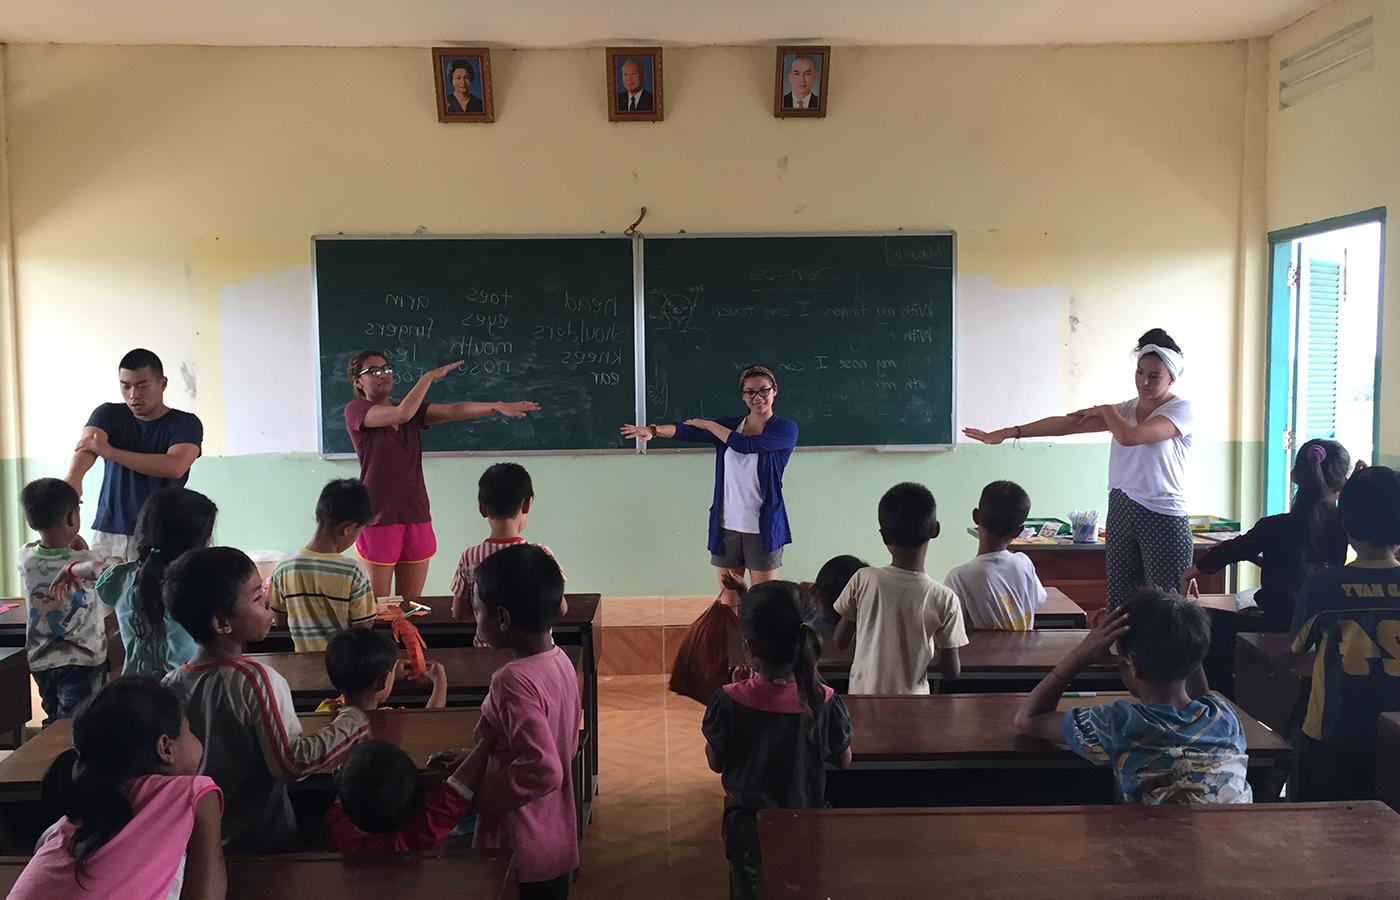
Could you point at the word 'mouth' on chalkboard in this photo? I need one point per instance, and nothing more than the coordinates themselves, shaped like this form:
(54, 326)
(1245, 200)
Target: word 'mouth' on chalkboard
(858, 330)
(548, 320)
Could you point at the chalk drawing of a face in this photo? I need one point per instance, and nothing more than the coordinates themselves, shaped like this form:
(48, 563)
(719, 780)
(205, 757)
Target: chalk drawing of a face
(679, 312)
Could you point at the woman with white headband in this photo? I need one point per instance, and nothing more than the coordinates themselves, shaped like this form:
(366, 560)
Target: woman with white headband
(1149, 534)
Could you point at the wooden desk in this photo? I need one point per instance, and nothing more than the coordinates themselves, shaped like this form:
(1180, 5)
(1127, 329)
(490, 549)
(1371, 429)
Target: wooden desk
(578, 627)
(1388, 760)
(16, 706)
(13, 623)
(963, 749)
(1322, 851)
(1059, 611)
(992, 661)
(1080, 570)
(467, 873)
(1271, 681)
(469, 671)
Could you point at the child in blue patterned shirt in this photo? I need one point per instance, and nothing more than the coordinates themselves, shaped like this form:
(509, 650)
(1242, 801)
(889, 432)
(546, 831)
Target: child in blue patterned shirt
(1167, 747)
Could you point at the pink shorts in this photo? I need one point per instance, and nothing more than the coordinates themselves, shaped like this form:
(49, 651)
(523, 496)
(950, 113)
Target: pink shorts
(388, 545)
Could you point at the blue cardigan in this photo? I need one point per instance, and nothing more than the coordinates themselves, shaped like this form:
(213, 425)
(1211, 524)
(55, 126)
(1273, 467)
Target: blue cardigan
(773, 446)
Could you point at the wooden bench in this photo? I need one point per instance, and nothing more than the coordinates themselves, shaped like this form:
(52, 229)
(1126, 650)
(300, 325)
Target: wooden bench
(418, 732)
(964, 750)
(1322, 851)
(486, 874)
(578, 627)
(992, 661)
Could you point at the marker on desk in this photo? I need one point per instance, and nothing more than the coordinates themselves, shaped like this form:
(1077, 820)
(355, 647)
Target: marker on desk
(1080, 694)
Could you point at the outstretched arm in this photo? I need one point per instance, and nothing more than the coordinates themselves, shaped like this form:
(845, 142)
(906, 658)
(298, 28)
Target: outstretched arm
(471, 409)
(1084, 421)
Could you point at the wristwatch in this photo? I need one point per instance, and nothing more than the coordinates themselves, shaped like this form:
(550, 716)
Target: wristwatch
(653, 430)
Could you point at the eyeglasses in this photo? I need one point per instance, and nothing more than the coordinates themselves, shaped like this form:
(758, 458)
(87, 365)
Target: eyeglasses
(750, 393)
(376, 370)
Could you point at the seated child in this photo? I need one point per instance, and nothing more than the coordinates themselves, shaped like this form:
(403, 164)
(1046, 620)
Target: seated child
(241, 708)
(525, 803)
(896, 613)
(999, 589)
(1166, 747)
(384, 806)
(1351, 614)
(1287, 548)
(771, 736)
(504, 496)
(361, 661)
(65, 635)
(832, 579)
(319, 591)
(171, 522)
(138, 821)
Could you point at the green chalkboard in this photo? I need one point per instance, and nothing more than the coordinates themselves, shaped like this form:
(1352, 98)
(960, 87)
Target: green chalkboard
(858, 329)
(543, 319)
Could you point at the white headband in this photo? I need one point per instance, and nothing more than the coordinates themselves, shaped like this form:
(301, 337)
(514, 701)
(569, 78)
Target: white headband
(1172, 359)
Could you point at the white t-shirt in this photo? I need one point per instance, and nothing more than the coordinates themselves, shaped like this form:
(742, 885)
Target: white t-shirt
(1154, 475)
(742, 495)
(999, 591)
(900, 616)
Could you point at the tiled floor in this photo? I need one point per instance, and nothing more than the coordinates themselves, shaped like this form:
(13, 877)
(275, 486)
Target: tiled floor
(656, 819)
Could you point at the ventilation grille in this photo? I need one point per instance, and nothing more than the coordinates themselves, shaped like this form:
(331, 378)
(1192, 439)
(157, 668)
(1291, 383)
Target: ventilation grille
(1332, 60)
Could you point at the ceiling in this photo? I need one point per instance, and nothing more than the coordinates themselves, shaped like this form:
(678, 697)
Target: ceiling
(582, 23)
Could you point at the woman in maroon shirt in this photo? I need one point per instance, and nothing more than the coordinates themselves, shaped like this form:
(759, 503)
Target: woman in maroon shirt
(388, 437)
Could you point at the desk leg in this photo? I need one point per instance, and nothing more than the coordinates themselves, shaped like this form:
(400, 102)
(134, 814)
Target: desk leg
(16, 708)
(590, 706)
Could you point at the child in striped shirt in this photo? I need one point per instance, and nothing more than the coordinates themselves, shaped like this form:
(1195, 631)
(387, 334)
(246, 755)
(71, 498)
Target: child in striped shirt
(241, 708)
(504, 496)
(320, 592)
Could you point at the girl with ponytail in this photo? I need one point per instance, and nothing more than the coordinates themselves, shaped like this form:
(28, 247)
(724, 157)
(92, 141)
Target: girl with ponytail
(770, 736)
(172, 522)
(138, 822)
(1287, 548)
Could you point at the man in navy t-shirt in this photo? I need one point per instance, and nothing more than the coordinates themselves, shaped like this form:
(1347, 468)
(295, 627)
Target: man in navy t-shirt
(145, 445)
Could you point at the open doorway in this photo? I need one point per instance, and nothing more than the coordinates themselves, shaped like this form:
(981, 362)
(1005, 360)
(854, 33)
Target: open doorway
(1324, 350)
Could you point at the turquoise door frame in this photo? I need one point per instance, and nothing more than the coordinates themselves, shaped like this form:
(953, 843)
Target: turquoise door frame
(1278, 383)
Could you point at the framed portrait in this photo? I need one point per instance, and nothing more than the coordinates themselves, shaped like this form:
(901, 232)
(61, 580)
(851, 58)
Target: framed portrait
(799, 89)
(463, 78)
(634, 84)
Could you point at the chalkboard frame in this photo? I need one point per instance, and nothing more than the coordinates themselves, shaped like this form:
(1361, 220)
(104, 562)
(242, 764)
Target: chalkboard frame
(638, 240)
(638, 315)
(643, 447)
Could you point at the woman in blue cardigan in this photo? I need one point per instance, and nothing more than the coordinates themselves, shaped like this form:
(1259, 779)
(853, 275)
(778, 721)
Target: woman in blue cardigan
(748, 520)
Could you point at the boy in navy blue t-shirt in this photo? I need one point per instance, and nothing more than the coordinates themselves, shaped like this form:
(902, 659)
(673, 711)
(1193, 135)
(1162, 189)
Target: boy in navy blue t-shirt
(1351, 614)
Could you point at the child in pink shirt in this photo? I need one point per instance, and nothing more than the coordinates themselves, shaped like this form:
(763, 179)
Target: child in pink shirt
(525, 801)
(138, 822)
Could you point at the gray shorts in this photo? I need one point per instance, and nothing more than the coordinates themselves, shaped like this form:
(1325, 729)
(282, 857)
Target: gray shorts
(745, 551)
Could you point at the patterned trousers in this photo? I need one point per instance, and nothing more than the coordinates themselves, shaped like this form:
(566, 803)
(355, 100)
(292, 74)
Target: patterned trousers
(1145, 549)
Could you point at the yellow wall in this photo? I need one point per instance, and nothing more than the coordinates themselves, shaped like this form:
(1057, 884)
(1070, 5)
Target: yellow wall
(1335, 153)
(1095, 191)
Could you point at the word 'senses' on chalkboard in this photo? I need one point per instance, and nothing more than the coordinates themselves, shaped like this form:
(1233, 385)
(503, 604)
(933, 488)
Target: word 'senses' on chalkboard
(549, 320)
